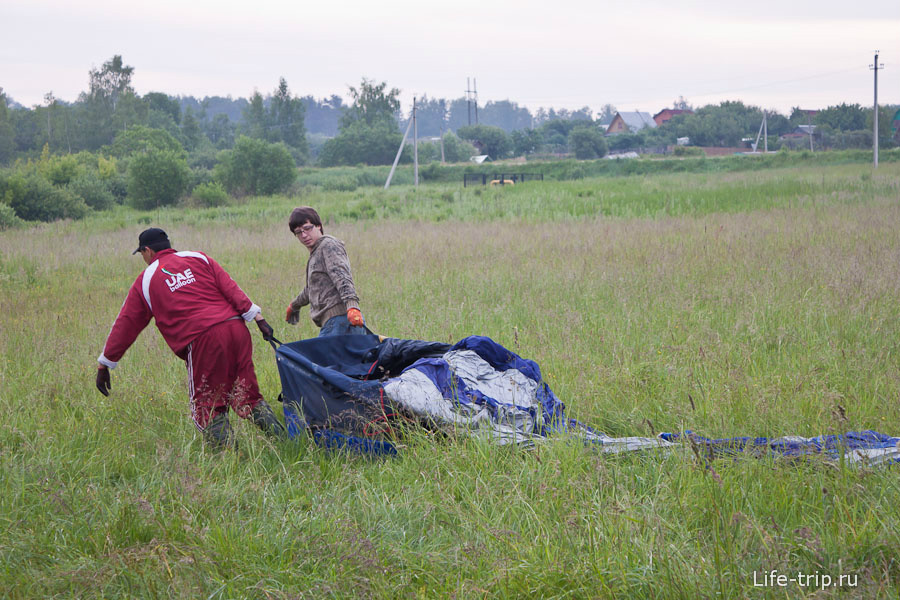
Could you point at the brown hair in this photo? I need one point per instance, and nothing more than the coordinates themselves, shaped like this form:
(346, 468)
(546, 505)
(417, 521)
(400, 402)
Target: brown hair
(302, 214)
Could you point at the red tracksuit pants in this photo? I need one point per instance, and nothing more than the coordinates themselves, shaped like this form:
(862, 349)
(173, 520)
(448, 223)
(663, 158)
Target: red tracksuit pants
(220, 372)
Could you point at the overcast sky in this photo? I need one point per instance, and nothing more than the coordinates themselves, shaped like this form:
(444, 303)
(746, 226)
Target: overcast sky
(775, 54)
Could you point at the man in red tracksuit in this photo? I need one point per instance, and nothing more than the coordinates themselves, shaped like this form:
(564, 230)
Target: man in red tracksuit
(200, 312)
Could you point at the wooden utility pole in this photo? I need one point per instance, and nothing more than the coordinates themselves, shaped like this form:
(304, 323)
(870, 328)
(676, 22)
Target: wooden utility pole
(469, 100)
(875, 66)
(809, 129)
(475, 85)
(415, 146)
(397, 158)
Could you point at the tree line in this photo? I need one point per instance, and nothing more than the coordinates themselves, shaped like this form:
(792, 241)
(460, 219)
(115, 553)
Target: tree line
(307, 126)
(114, 146)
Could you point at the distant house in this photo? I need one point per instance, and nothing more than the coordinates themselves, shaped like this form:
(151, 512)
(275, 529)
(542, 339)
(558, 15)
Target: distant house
(801, 131)
(667, 113)
(629, 122)
(480, 159)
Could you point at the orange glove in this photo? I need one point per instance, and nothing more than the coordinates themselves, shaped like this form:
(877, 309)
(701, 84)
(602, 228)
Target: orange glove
(355, 317)
(292, 316)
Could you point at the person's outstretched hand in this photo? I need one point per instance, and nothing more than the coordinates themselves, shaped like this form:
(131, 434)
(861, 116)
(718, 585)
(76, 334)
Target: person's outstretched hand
(292, 316)
(266, 329)
(355, 317)
(103, 383)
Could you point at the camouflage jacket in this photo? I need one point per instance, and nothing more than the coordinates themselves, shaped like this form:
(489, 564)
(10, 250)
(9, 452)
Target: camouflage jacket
(329, 287)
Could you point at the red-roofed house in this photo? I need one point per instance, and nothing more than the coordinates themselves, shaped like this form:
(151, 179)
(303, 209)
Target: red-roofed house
(667, 113)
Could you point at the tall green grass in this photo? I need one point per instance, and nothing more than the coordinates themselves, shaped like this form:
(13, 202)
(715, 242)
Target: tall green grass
(350, 178)
(736, 304)
(656, 196)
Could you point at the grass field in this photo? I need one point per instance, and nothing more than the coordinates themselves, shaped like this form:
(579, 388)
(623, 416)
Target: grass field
(761, 303)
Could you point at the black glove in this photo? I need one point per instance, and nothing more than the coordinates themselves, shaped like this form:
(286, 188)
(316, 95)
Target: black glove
(103, 380)
(267, 331)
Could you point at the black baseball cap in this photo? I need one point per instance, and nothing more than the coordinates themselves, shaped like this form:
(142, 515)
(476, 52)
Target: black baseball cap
(153, 238)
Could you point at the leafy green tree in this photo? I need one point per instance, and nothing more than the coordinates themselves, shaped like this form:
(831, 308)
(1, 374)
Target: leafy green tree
(322, 116)
(190, 130)
(456, 149)
(360, 143)
(163, 103)
(280, 121)
(210, 194)
(256, 167)
(369, 133)
(555, 133)
(587, 143)
(8, 218)
(141, 139)
(885, 118)
(52, 119)
(256, 118)
(156, 178)
(108, 86)
(28, 130)
(7, 131)
(627, 141)
(130, 111)
(777, 124)
(287, 114)
(582, 114)
(33, 198)
(525, 141)
(682, 104)
(718, 125)
(162, 112)
(92, 190)
(431, 114)
(607, 113)
(842, 117)
(459, 114)
(220, 131)
(372, 103)
(506, 115)
(492, 141)
(111, 82)
(58, 170)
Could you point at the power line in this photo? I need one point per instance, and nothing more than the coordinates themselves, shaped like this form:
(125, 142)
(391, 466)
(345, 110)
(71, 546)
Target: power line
(695, 95)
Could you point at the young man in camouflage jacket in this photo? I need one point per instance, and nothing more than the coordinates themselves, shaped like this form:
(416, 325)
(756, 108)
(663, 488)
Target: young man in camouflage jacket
(329, 291)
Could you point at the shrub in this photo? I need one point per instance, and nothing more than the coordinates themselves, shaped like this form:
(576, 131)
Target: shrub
(203, 156)
(118, 187)
(457, 150)
(342, 183)
(361, 143)
(93, 191)
(209, 195)
(201, 176)
(33, 198)
(60, 170)
(587, 143)
(156, 178)
(688, 151)
(139, 139)
(256, 167)
(8, 218)
(493, 140)
(107, 168)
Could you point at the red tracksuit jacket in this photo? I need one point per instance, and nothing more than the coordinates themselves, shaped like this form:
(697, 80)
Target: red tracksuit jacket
(187, 293)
